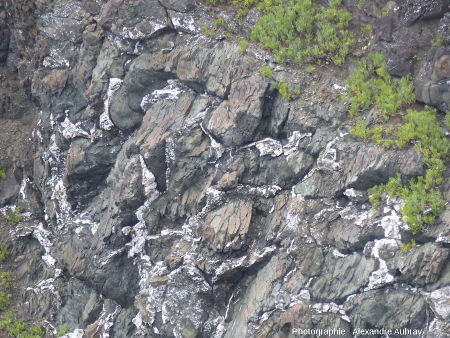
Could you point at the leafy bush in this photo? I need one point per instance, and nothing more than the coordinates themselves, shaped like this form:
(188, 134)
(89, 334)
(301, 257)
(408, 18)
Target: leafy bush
(408, 246)
(3, 175)
(303, 31)
(13, 218)
(372, 86)
(423, 201)
(3, 251)
(266, 72)
(20, 329)
(243, 45)
(62, 331)
(283, 89)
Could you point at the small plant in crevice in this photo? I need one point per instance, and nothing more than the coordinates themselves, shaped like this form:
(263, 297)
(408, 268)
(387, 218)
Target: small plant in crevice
(3, 175)
(284, 90)
(438, 41)
(13, 218)
(406, 247)
(62, 331)
(243, 44)
(266, 71)
(3, 252)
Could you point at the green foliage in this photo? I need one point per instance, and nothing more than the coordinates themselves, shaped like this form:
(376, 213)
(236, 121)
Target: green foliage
(408, 246)
(3, 252)
(423, 201)
(304, 31)
(447, 120)
(371, 85)
(5, 279)
(266, 72)
(437, 42)
(20, 329)
(310, 68)
(4, 300)
(3, 175)
(284, 90)
(368, 29)
(208, 31)
(242, 45)
(63, 330)
(13, 218)
(360, 4)
(243, 7)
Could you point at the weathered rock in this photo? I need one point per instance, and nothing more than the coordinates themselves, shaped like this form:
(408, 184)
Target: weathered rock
(389, 309)
(226, 228)
(422, 265)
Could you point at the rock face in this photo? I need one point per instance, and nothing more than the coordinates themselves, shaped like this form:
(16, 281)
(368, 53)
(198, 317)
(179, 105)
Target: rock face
(168, 190)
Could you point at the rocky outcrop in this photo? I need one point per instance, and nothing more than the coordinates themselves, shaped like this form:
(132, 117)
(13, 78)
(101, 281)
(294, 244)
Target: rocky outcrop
(172, 191)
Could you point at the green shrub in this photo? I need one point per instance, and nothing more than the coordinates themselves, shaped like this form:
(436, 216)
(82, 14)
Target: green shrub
(408, 246)
(303, 31)
(438, 41)
(13, 218)
(372, 86)
(283, 89)
(3, 252)
(3, 175)
(5, 279)
(447, 120)
(266, 72)
(423, 201)
(19, 329)
(242, 45)
(63, 330)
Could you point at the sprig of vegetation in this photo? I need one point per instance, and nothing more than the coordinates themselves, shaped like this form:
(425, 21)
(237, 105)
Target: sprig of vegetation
(13, 218)
(372, 86)
(3, 175)
(284, 90)
(243, 44)
(20, 329)
(3, 252)
(62, 331)
(266, 71)
(408, 246)
(303, 31)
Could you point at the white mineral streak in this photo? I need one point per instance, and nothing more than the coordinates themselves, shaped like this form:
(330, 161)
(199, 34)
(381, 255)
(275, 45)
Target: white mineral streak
(56, 60)
(43, 236)
(148, 181)
(23, 187)
(135, 34)
(105, 120)
(328, 158)
(77, 333)
(216, 148)
(70, 130)
(172, 92)
(293, 143)
(105, 322)
(331, 308)
(440, 302)
(392, 224)
(264, 191)
(185, 23)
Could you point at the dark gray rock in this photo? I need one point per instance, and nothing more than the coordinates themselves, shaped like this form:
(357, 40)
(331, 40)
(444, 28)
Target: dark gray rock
(387, 308)
(424, 9)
